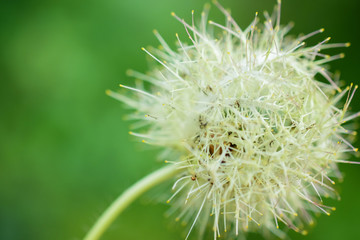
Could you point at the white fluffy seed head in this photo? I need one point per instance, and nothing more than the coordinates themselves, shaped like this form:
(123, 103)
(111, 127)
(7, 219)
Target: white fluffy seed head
(258, 130)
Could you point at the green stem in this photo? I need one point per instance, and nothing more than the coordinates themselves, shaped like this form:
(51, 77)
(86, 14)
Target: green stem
(127, 198)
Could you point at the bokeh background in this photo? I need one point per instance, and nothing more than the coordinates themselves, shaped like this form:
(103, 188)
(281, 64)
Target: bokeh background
(65, 153)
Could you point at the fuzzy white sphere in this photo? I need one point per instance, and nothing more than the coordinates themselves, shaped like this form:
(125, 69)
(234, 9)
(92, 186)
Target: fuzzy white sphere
(260, 133)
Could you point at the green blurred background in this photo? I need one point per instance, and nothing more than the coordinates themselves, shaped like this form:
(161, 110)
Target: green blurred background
(65, 151)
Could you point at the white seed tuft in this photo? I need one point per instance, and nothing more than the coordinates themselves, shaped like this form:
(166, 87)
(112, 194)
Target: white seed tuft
(256, 118)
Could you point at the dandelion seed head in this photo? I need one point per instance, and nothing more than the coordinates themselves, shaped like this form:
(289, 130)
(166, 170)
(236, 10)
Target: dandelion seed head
(254, 114)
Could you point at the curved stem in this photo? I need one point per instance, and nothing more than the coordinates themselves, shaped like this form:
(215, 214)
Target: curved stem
(127, 198)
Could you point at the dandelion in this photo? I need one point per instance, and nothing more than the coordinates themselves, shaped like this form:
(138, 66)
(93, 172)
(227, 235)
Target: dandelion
(251, 123)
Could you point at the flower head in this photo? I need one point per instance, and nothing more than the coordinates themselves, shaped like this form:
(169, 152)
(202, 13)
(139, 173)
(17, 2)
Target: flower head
(251, 117)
